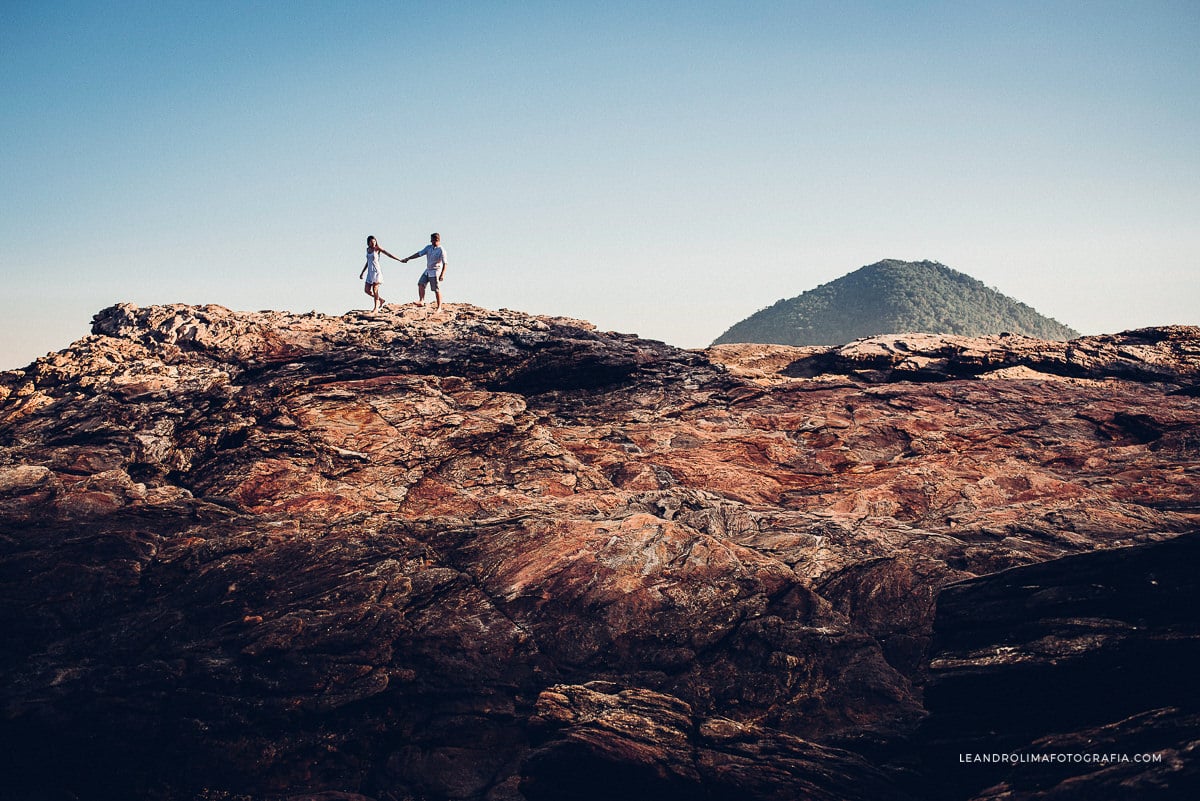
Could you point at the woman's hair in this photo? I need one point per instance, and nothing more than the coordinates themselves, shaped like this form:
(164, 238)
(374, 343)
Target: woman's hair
(370, 239)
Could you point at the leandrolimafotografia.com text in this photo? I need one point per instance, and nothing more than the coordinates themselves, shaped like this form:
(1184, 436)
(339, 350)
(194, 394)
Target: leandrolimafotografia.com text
(1057, 758)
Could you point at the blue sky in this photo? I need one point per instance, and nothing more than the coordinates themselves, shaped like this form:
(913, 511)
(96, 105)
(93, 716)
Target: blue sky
(660, 168)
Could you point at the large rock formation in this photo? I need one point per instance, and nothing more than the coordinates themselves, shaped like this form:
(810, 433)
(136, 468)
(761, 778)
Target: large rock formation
(477, 554)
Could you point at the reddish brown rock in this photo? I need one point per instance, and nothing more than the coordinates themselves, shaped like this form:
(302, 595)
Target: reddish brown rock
(1168, 354)
(262, 555)
(601, 742)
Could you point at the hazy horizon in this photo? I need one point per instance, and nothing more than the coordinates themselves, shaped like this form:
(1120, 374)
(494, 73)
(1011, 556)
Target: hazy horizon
(664, 170)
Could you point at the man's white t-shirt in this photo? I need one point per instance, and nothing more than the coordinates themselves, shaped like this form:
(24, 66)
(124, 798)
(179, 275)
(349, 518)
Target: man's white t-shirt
(434, 258)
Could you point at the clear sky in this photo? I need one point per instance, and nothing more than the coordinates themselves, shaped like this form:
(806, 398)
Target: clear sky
(664, 169)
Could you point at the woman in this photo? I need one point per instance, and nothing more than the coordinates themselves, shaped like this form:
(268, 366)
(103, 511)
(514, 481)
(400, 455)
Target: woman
(371, 271)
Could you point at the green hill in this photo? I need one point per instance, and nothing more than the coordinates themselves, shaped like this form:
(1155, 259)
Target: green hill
(893, 297)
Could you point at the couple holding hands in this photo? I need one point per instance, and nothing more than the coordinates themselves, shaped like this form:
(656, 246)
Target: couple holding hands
(435, 270)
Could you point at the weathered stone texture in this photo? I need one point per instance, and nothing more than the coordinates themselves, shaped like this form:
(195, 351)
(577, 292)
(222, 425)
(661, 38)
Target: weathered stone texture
(469, 554)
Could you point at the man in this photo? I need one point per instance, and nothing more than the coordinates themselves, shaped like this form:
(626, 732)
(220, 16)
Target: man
(435, 257)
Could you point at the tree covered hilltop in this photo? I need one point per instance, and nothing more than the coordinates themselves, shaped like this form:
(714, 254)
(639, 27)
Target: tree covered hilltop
(893, 297)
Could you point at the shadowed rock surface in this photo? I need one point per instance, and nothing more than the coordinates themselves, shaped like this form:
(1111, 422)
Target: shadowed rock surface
(1093, 654)
(480, 554)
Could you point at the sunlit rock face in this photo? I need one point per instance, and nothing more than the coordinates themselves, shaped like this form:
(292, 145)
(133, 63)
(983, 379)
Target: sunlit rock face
(478, 554)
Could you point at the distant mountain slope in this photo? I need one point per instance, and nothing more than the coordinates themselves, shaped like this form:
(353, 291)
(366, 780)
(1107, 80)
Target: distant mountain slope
(892, 297)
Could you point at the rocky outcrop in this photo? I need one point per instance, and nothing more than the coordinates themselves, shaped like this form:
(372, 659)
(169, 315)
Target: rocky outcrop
(600, 742)
(470, 553)
(1169, 355)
